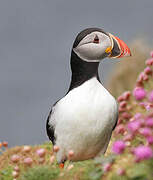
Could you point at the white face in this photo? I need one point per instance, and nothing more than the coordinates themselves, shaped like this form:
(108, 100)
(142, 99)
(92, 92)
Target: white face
(92, 48)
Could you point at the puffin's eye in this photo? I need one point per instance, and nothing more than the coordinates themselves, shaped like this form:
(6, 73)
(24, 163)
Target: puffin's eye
(96, 39)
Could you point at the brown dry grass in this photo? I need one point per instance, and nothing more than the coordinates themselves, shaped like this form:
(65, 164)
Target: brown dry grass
(5, 158)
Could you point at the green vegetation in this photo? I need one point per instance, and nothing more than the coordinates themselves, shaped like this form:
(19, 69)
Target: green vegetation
(40, 173)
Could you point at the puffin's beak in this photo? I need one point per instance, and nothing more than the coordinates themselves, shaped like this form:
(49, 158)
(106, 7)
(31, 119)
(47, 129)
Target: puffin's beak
(119, 48)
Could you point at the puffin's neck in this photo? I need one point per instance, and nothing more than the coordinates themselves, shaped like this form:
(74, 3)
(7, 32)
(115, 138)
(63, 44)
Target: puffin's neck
(82, 71)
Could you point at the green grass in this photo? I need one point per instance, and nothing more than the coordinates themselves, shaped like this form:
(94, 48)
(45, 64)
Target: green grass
(40, 173)
(6, 173)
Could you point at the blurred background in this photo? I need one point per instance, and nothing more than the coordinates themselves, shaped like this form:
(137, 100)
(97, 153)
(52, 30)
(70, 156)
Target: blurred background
(36, 37)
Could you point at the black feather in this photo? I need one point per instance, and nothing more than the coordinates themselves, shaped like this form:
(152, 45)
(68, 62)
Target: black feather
(50, 129)
(82, 71)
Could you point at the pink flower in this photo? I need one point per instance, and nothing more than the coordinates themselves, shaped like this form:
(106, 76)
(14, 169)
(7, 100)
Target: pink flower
(118, 147)
(55, 148)
(139, 93)
(15, 174)
(119, 121)
(142, 152)
(145, 131)
(150, 139)
(121, 172)
(139, 83)
(133, 126)
(151, 53)
(145, 78)
(142, 122)
(146, 105)
(126, 115)
(52, 159)
(107, 167)
(128, 137)
(123, 104)
(120, 98)
(149, 122)
(137, 115)
(140, 77)
(41, 152)
(148, 70)
(26, 149)
(149, 62)
(28, 161)
(16, 168)
(121, 109)
(150, 96)
(15, 158)
(120, 129)
(126, 95)
(143, 104)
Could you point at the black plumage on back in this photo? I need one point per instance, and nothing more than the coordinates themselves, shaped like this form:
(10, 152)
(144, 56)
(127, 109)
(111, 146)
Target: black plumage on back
(50, 129)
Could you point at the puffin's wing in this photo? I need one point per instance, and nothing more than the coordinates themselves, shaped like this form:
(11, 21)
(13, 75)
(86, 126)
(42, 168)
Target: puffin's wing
(50, 128)
(50, 125)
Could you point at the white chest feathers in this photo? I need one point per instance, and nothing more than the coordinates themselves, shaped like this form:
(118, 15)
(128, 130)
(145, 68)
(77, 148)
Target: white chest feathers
(83, 120)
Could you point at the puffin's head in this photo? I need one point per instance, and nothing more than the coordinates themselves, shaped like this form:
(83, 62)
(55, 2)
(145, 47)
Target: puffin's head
(93, 44)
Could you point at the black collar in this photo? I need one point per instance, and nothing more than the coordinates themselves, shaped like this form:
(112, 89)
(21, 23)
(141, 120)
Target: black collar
(82, 71)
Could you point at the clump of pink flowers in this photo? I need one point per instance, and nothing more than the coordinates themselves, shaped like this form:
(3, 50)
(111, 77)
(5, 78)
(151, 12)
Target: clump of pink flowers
(150, 96)
(15, 158)
(142, 153)
(137, 127)
(139, 93)
(107, 167)
(149, 122)
(118, 147)
(41, 152)
(133, 126)
(28, 161)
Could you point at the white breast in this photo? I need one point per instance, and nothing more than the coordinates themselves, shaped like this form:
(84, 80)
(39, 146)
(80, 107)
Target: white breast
(83, 120)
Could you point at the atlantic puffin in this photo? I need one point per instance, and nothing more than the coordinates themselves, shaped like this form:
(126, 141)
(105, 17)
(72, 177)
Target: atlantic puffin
(83, 120)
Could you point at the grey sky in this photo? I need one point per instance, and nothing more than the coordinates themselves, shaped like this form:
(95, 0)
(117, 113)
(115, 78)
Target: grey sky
(35, 43)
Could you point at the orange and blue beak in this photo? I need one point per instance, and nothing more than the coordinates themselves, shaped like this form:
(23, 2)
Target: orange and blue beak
(119, 48)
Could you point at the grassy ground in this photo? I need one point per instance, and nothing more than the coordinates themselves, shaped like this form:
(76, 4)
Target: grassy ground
(90, 169)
